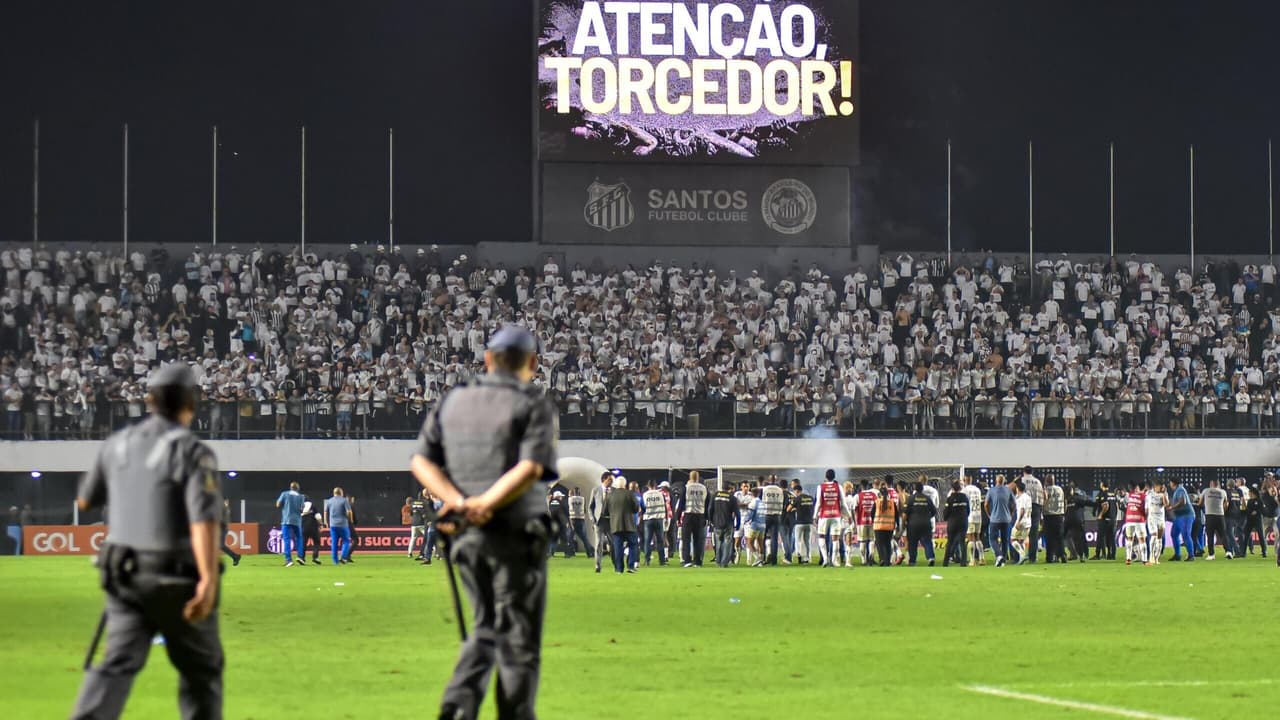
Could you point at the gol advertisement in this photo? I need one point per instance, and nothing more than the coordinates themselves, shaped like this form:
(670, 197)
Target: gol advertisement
(87, 539)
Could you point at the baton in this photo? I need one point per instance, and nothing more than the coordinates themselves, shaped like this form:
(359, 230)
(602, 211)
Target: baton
(97, 637)
(444, 541)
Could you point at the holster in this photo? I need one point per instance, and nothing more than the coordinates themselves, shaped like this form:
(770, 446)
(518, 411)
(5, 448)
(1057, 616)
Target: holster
(116, 567)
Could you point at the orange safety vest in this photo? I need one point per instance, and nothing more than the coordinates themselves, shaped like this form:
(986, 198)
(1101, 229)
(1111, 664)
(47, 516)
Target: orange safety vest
(886, 514)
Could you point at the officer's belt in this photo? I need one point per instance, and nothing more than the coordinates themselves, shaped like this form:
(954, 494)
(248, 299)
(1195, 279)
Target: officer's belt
(121, 559)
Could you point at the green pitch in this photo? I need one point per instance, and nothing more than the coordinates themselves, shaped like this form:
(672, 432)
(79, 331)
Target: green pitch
(1174, 641)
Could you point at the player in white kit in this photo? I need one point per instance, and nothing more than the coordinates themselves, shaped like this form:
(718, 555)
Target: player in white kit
(849, 507)
(1157, 501)
(974, 534)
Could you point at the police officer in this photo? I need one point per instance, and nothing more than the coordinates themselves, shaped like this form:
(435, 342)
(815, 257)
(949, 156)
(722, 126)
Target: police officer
(159, 564)
(482, 451)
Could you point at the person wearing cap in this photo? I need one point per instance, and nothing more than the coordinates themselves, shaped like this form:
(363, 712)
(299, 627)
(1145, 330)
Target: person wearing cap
(159, 563)
(482, 450)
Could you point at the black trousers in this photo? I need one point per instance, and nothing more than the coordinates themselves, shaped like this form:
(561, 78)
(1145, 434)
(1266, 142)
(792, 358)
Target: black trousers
(1251, 526)
(1106, 547)
(1077, 546)
(772, 526)
(955, 541)
(1215, 531)
(1053, 538)
(226, 550)
(1033, 541)
(504, 574)
(310, 536)
(884, 541)
(147, 605)
(693, 539)
(919, 535)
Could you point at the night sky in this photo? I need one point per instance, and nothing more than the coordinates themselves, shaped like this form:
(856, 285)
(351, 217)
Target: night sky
(453, 79)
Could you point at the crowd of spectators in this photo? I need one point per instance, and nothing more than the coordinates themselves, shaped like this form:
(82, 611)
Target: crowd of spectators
(361, 343)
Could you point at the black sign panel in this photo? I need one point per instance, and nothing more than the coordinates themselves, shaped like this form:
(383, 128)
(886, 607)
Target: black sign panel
(695, 205)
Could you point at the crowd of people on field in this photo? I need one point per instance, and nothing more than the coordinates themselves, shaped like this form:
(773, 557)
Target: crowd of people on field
(360, 343)
(894, 520)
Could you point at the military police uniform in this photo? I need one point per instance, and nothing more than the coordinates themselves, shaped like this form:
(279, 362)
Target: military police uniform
(476, 434)
(156, 479)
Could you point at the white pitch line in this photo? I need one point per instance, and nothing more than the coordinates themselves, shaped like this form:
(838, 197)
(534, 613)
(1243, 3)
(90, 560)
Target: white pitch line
(1070, 704)
(1147, 683)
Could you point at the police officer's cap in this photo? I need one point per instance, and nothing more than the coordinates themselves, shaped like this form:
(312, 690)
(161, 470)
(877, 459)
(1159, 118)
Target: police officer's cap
(513, 337)
(174, 375)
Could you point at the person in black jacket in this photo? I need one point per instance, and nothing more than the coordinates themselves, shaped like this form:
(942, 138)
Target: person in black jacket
(310, 533)
(1253, 521)
(920, 514)
(956, 514)
(725, 519)
(1268, 507)
(1077, 503)
(1107, 506)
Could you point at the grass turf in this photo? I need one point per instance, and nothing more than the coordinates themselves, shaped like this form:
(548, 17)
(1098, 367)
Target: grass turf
(1174, 640)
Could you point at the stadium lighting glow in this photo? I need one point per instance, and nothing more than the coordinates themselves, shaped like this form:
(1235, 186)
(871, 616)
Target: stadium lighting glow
(1160, 469)
(35, 474)
(983, 471)
(232, 473)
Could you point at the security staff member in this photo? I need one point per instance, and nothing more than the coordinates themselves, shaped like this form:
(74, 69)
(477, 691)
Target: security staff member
(920, 516)
(1055, 507)
(599, 510)
(693, 524)
(788, 528)
(803, 503)
(773, 498)
(481, 451)
(956, 514)
(159, 564)
(417, 523)
(226, 523)
(1108, 505)
(1077, 503)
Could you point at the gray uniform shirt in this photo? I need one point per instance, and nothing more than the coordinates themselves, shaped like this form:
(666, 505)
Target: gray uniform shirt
(1054, 501)
(482, 430)
(156, 479)
(1215, 500)
(337, 508)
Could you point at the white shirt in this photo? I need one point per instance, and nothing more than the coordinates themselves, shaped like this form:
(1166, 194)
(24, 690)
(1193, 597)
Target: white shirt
(1023, 507)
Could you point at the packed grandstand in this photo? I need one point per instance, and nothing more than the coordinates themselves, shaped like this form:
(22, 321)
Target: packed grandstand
(361, 342)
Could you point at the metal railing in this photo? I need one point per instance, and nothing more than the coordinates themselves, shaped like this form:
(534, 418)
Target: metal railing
(622, 418)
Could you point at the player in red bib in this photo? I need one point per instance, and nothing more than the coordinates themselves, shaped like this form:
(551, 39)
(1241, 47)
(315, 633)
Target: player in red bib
(830, 507)
(1135, 525)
